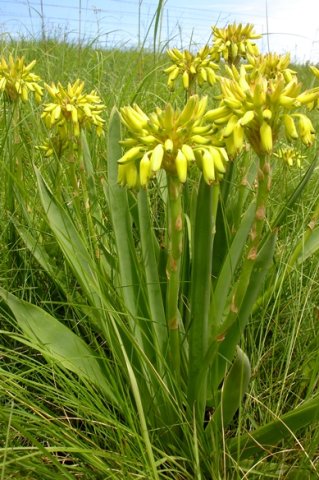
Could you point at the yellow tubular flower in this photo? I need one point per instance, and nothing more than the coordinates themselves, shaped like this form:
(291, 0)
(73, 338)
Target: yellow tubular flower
(72, 110)
(172, 145)
(315, 71)
(234, 42)
(256, 106)
(305, 129)
(17, 80)
(290, 155)
(193, 68)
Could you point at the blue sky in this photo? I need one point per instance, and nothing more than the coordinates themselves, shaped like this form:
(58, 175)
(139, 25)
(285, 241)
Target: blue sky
(286, 25)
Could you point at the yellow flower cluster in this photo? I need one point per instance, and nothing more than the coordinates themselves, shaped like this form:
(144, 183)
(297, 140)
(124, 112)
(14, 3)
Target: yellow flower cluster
(234, 42)
(255, 107)
(55, 145)
(270, 65)
(17, 80)
(191, 68)
(290, 155)
(72, 110)
(169, 139)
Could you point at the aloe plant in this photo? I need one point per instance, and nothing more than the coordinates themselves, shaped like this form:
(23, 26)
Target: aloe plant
(171, 307)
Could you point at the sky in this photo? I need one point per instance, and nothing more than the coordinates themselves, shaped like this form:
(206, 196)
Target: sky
(286, 25)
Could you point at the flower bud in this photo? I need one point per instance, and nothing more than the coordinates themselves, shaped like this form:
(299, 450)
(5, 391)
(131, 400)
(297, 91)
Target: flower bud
(267, 114)
(188, 152)
(218, 159)
(266, 137)
(238, 136)
(185, 78)
(132, 154)
(145, 170)
(247, 118)
(208, 167)
(181, 166)
(169, 145)
(219, 112)
(157, 157)
(131, 175)
(290, 127)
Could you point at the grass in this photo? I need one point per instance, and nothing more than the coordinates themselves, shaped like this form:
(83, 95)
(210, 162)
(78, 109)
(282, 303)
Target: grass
(54, 424)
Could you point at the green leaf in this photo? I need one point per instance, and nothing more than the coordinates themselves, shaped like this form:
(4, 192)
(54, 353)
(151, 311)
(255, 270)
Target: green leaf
(200, 294)
(130, 282)
(40, 254)
(234, 388)
(58, 343)
(234, 325)
(226, 277)
(263, 439)
(121, 220)
(155, 298)
(310, 247)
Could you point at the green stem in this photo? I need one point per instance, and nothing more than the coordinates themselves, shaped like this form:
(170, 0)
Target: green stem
(175, 246)
(73, 170)
(264, 181)
(191, 90)
(248, 175)
(88, 207)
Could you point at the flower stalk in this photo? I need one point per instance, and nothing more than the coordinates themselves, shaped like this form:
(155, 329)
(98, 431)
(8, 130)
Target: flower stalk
(263, 188)
(174, 248)
(253, 251)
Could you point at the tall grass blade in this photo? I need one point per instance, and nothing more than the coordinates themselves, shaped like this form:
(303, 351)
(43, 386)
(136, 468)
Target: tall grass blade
(158, 15)
(71, 243)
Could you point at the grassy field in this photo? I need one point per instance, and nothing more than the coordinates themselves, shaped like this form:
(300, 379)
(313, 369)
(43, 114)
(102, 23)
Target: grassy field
(86, 388)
